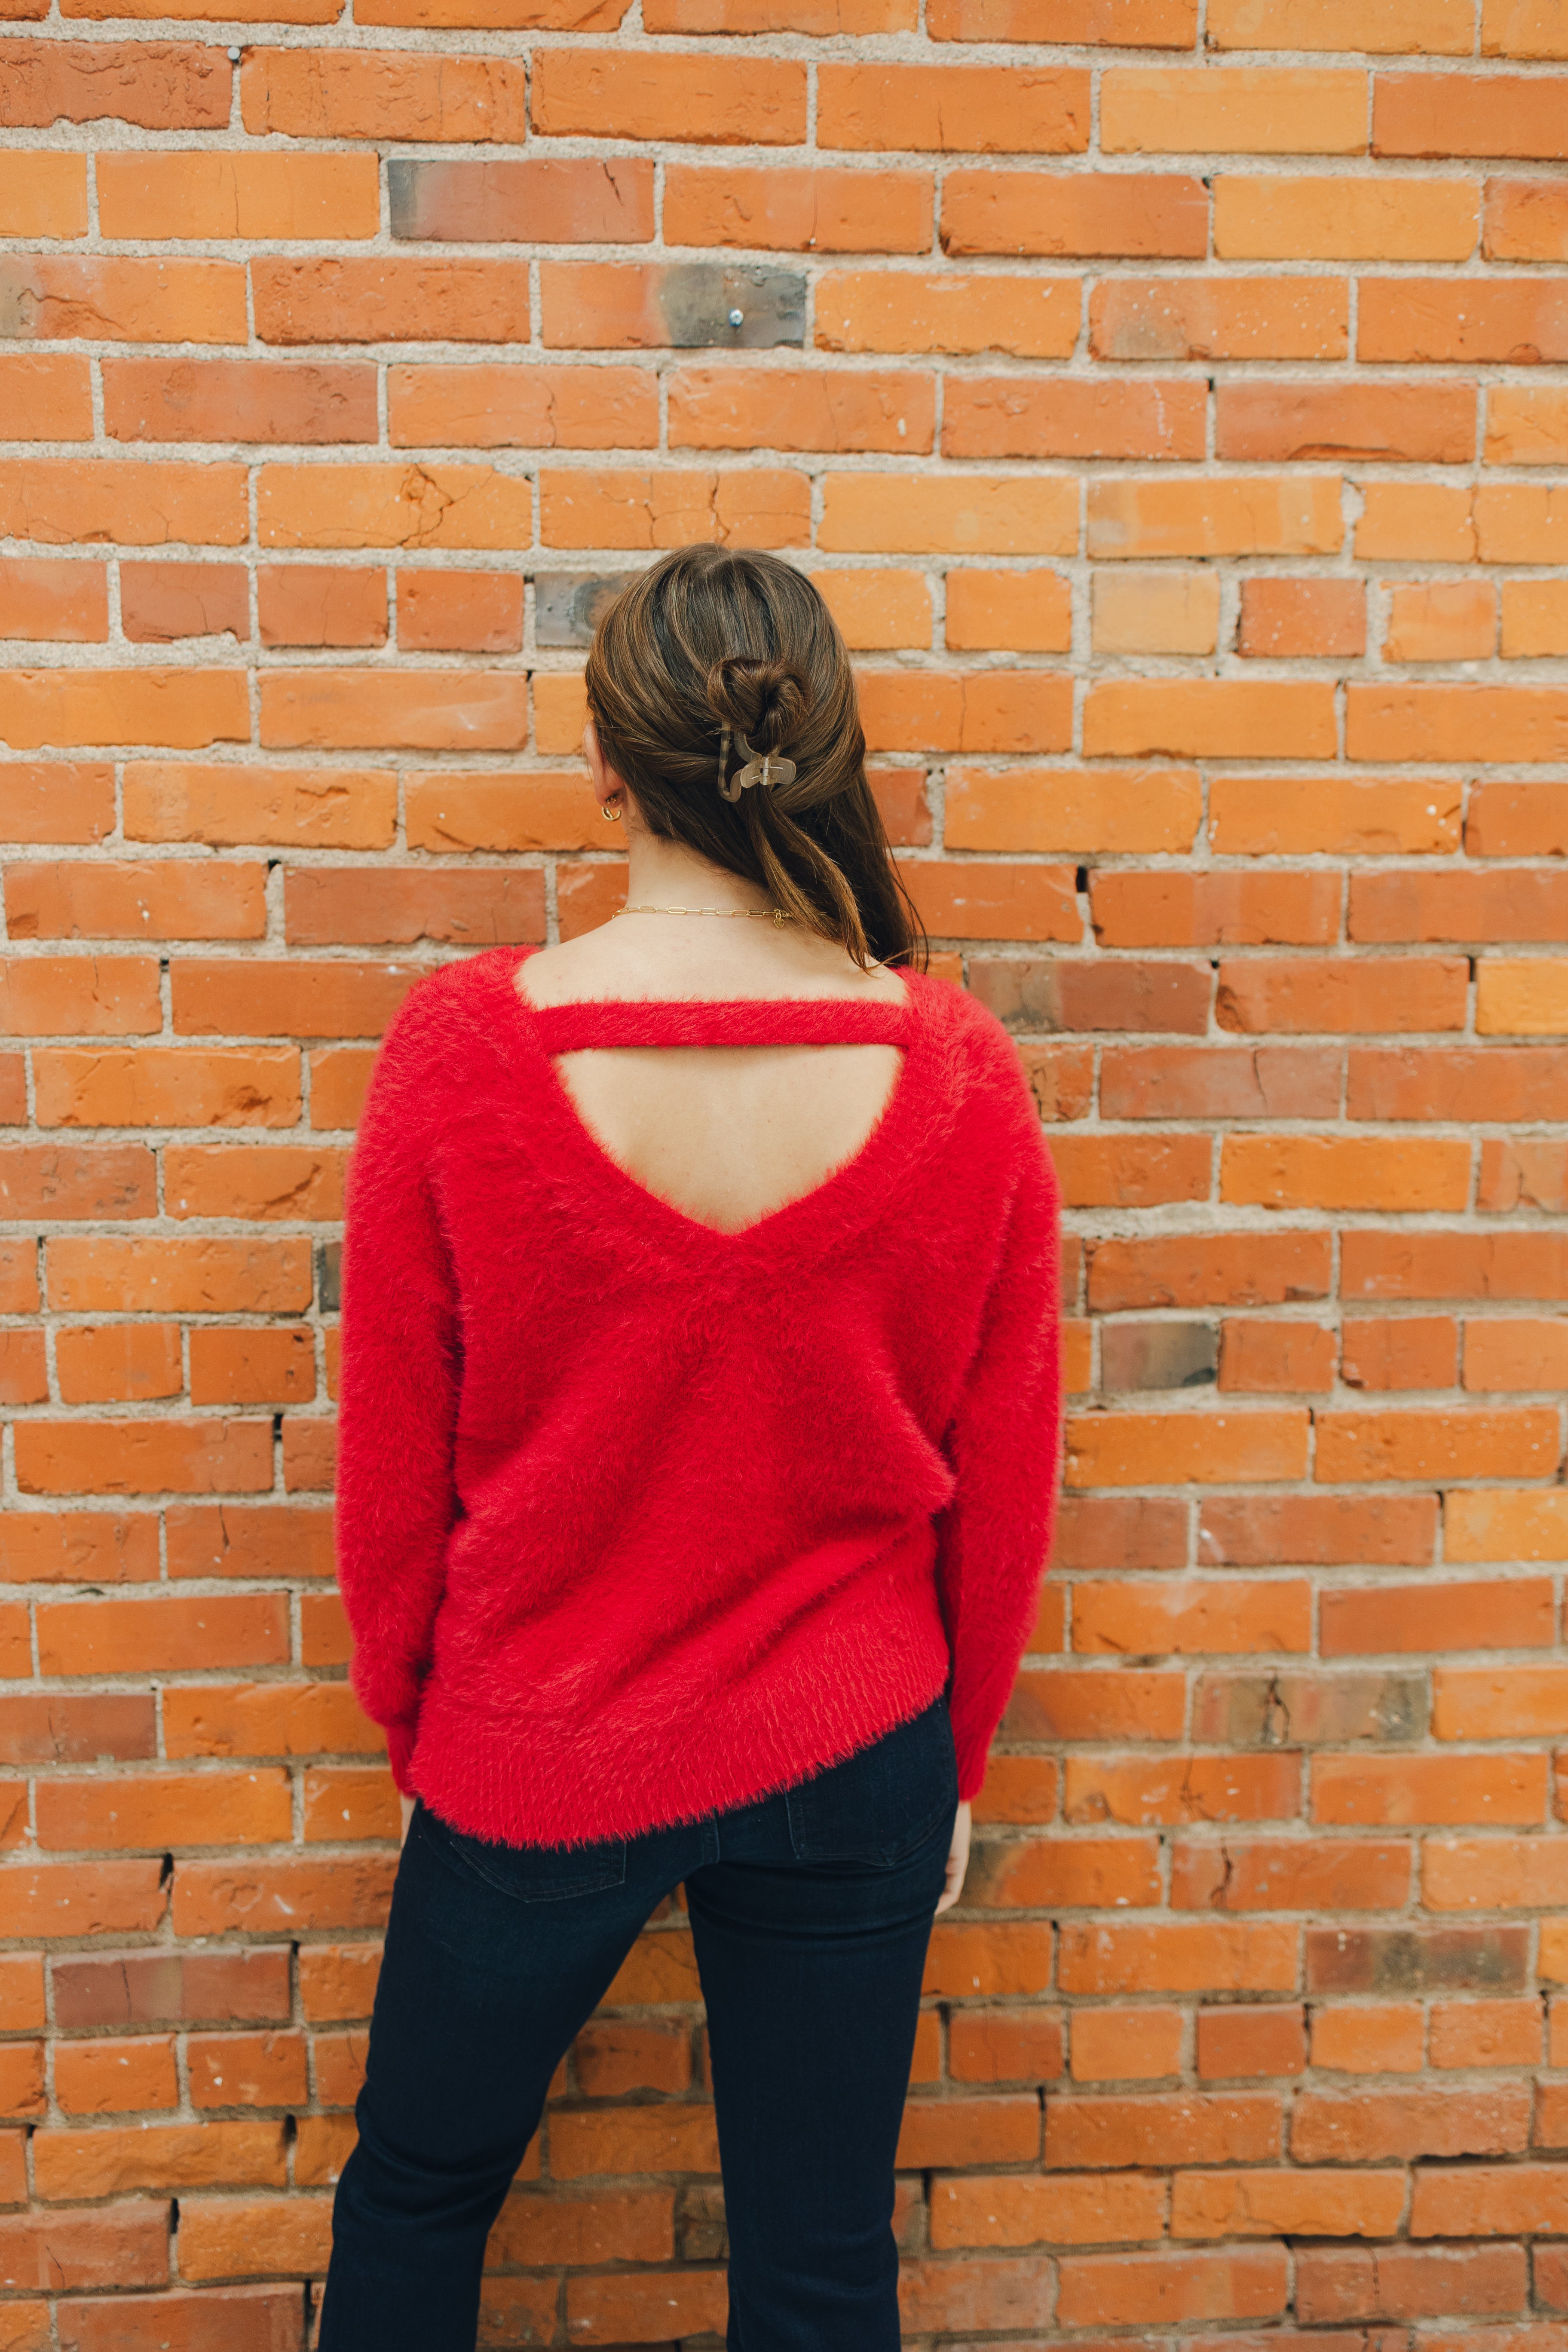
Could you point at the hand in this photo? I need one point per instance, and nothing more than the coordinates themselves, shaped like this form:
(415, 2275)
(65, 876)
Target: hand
(406, 1805)
(957, 1860)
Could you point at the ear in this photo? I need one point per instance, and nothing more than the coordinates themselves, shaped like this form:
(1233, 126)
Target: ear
(606, 784)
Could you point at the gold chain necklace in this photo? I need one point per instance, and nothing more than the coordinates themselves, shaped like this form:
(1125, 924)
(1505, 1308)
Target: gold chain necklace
(760, 914)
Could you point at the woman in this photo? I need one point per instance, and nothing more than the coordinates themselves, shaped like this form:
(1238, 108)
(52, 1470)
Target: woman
(699, 1418)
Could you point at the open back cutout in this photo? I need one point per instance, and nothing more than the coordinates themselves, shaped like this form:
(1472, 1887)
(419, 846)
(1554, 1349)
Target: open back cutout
(729, 1134)
(729, 1110)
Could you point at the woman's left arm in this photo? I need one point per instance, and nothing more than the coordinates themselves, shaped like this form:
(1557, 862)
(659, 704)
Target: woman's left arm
(398, 1388)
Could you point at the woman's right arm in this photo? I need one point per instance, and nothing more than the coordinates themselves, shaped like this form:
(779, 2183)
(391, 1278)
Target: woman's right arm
(398, 1387)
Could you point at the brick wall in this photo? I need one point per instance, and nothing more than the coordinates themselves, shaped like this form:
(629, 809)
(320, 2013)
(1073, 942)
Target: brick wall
(1168, 399)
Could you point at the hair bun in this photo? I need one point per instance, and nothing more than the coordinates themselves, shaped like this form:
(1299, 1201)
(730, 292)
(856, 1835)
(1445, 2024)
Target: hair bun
(766, 701)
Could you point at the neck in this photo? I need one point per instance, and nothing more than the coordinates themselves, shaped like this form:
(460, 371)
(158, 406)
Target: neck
(666, 874)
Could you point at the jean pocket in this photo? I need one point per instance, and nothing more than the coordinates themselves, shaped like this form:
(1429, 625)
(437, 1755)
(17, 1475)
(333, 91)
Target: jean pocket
(530, 1874)
(877, 1806)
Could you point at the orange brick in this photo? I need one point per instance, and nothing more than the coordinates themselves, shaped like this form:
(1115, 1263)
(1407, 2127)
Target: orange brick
(129, 502)
(1195, 1618)
(1438, 27)
(1413, 522)
(800, 408)
(1026, 612)
(1152, 2289)
(194, 193)
(1388, 424)
(1156, 612)
(1521, 1353)
(1425, 319)
(1388, 2038)
(1163, 215)
(45, 195)
(1294, 1171)
(1521, 1442)
(1360, 1790)
(1238, 2043)
(1237, 110)
(600, 94)
(390, 506)
(1525, 426)
(487, 406)
(1216, 718)
(1417, 1352)
(161, 602)
(48, 396)
(43, 598)
(796, 209)
(1321, 219)
(1019, 2211)
(320, 604)
(998, 416)
(237, 400)
(1534, 619)
(1468, 114)
(1523, 29)
(100, 2078)
(948, 310)
(969, 899)
(115, 1362)
(1295, 1359)
(1525, 220)
(1299, 2203)
(429, 711)
(967, 514)
(1337, 816)
(974, 711)
(386, 300)
(663, 506)
(1141, 24)
(954, 109)
(879, 609)
(1168, 909)
(1499, 2200)
(1110, 2045)
(1296, 619)
(1332, 1874)
(459, 611)
(61, 296)
(1485, 2033)
(1220, 319)
(1441, 621)
(381, 94)
(1346, 995)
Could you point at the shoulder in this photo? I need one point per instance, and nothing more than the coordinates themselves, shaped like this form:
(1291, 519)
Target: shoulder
(968, 1031)
(444, 1022)
(984, 1073)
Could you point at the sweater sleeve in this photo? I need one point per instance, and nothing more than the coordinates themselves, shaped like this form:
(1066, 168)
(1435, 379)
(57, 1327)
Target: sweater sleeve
(398, 1387)
(995, 1533)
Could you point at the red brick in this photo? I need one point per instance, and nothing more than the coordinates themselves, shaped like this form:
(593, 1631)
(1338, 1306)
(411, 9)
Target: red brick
(1234, 2044)
(159, 85)
(1155, 2289)
(1404, 2283)
(1290, 1875)
(43, 598)
(1409, 1353)
(1208, 318)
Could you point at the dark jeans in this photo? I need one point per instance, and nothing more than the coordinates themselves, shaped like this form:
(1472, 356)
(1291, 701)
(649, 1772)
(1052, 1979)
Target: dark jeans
(810, 1912)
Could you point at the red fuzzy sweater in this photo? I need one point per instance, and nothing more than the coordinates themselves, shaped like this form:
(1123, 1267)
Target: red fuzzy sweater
(638, 1520)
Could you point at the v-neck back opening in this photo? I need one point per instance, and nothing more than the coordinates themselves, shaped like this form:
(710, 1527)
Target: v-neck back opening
(848, 1195)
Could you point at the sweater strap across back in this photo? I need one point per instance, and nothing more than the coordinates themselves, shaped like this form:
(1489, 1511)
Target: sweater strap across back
(740, 1021)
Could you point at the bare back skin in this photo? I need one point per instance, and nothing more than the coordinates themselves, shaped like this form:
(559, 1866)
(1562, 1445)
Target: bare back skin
(727, 1134)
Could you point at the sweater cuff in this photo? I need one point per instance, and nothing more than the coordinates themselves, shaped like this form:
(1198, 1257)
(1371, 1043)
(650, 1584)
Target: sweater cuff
(400, 1738)
(972, 1757)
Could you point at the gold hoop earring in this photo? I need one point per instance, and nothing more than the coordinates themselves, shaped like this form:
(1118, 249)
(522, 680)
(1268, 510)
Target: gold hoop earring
(610, 811)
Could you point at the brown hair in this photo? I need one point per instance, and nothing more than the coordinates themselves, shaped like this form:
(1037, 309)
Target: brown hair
(716, 637)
